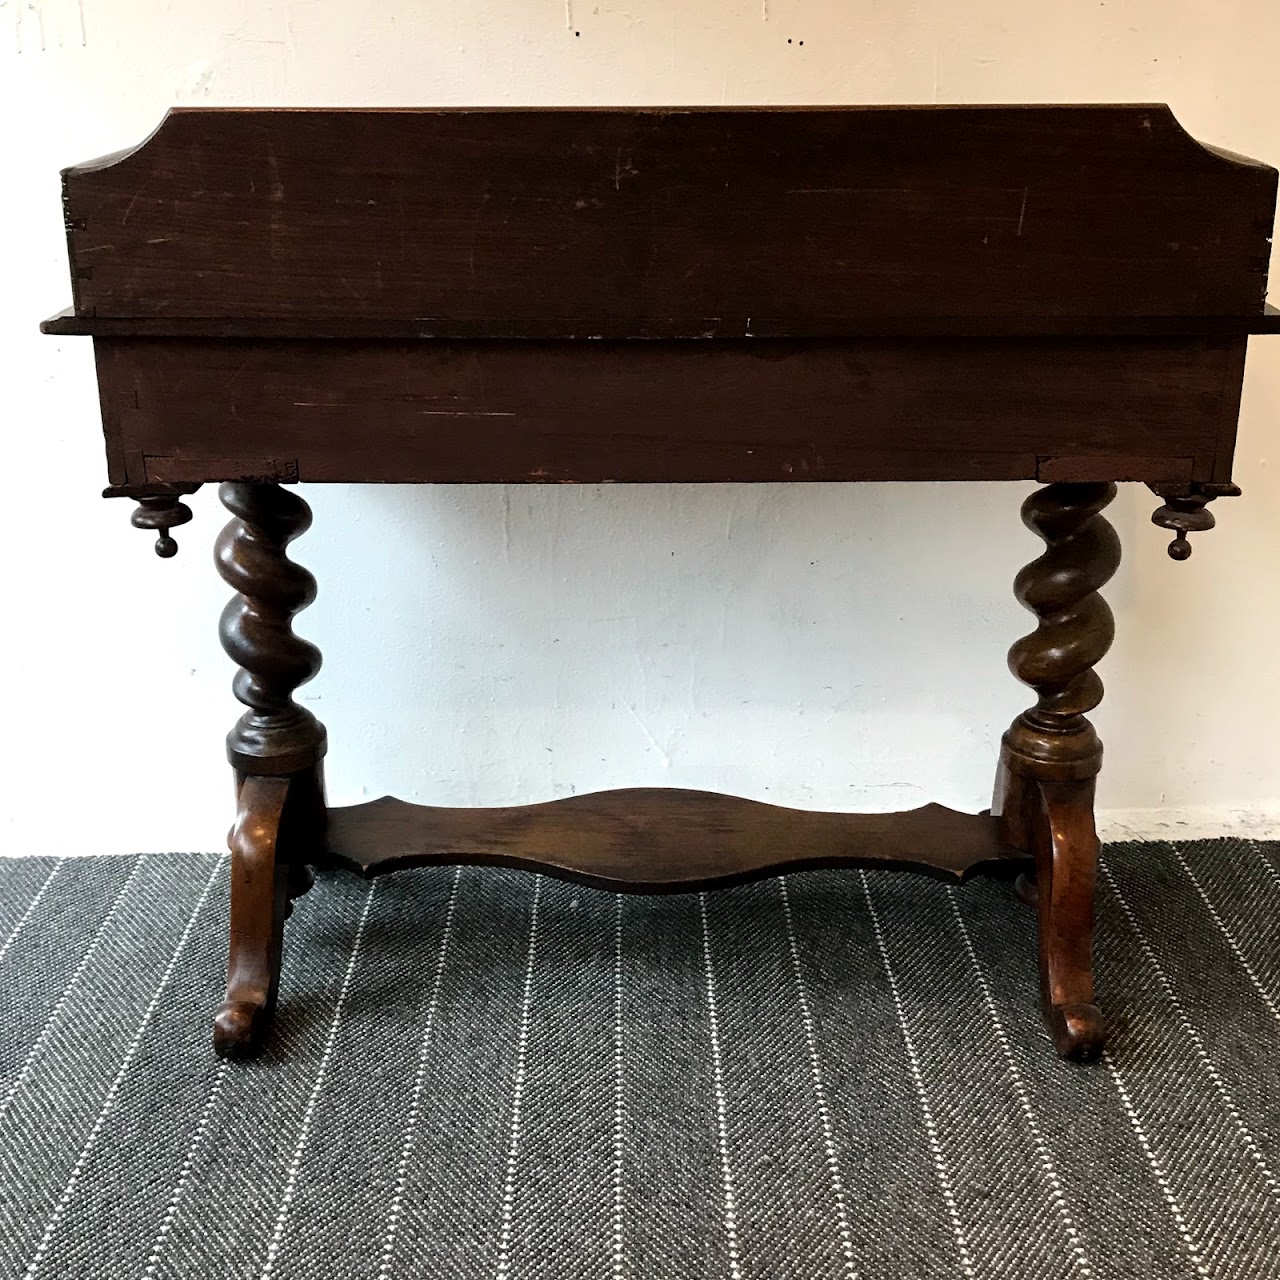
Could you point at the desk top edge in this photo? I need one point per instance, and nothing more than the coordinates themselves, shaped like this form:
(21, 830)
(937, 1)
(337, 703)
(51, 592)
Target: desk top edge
(661, 111)
(66, 323)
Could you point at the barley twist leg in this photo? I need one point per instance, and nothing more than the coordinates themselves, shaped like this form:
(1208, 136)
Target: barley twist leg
(1051, 754)
(276, 748)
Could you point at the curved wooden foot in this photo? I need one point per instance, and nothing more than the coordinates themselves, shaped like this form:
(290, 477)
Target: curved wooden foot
(1079, 1031)
(240, 1028)
(279, 826)
(259, 904)
(1060, 831)
(1066, 849)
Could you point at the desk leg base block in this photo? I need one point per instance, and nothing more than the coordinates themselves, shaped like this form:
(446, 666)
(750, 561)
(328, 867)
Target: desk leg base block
(663, 840)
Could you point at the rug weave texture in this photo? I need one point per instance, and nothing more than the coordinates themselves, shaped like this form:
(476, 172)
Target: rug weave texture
(483, 1073)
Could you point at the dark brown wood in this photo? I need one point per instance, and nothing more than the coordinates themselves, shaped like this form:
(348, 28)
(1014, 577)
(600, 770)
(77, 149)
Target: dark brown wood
(925, 409)
(1066, 849)
(1053, 293)
(1051, 754)
(660, 222)
(342, 328)
(161, 512)
(659, 840)
(259, 901)
(1186, 510)
(279, 826)
(276, 748)
(275, 735)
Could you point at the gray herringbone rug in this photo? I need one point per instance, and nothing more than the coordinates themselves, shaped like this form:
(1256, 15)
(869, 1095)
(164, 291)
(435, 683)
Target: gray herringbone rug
(485, 1074)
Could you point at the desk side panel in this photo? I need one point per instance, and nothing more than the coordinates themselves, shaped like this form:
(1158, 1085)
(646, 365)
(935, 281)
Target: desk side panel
(588, 412)
(669, 223)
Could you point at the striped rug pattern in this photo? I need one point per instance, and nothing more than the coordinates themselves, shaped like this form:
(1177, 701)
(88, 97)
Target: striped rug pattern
(482, 1073)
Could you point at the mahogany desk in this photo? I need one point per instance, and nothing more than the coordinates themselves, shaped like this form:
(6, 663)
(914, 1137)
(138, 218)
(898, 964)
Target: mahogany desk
(1060, 294)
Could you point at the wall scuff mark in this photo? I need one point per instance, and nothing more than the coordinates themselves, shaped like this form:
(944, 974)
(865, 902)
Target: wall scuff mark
(53, 23)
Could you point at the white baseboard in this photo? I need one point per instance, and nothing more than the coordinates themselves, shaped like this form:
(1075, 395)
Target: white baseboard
(1197, 822)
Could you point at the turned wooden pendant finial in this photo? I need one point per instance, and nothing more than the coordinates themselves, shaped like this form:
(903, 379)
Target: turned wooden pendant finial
(161, 514)
(1186, 510)
(159, 508)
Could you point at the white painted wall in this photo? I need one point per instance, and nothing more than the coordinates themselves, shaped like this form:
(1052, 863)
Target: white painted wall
(830, 646)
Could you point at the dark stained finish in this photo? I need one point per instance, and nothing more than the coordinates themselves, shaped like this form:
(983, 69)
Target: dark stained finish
(279, 829)
(1061, 294)
(276, 749)
(1051, 755)
(924, 409)
(275, 735)
(68, 324)
(157, 509)
(683, 223)
(661, 840)
(1186, 510)
(259, 899)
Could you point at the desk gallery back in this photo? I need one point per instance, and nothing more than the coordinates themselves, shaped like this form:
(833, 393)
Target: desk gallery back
(1062, 294)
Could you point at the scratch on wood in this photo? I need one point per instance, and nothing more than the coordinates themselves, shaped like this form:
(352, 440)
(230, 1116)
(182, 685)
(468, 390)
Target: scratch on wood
(137, 195)
(277, 186)
(467, 413)
(475, 233)
(622, 169)
(277, 199)
(1022, 215)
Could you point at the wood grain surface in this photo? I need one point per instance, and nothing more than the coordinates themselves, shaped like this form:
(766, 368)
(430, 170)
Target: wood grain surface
(674, 222)
(661, 839)
(1160, 410)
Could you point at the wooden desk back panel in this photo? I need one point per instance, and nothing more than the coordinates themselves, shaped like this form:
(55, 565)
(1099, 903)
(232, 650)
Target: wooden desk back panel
(772, 294)
(191, 409)
(668, 223)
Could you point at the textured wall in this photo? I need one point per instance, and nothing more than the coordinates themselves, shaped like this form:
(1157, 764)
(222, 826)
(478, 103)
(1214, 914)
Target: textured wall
(831, 646)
